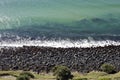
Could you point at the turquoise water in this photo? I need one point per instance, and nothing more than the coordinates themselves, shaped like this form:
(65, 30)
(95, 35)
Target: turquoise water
(73, 19)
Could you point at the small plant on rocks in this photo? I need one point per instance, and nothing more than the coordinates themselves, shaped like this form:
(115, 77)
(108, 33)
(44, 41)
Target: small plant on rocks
(108, 68)
(62, 73)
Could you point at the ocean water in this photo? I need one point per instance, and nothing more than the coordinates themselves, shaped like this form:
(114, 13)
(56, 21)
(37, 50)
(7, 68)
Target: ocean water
(59, 23)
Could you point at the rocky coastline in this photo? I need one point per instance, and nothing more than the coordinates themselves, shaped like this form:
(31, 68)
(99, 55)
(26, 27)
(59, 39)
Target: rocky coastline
(45, 58)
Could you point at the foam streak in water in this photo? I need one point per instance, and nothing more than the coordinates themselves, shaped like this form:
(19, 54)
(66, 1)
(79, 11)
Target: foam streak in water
(59, 43)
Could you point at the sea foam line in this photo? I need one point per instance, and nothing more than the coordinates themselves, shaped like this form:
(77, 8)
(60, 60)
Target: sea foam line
(59, 43)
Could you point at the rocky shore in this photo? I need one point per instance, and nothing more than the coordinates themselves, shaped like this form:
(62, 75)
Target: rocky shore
(44, 58)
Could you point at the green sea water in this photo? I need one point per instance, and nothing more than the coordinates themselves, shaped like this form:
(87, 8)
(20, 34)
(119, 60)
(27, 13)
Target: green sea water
(68, 18)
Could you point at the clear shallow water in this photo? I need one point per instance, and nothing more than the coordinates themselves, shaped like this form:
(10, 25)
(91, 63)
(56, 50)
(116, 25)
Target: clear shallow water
(14, 13)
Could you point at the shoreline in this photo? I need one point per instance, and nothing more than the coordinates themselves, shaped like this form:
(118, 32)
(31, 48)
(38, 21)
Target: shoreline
(85, 43)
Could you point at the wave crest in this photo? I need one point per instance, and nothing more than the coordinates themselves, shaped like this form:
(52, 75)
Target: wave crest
(59, 43)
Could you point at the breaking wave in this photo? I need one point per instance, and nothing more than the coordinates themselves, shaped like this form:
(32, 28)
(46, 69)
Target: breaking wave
(59, 43)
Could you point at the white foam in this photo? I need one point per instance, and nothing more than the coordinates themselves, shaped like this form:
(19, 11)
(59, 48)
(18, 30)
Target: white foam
(59, 43)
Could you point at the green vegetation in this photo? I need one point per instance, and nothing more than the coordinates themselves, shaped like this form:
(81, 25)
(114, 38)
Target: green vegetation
(62, 73)
(27, 74)
(108, 68)
(117, 78)
(104, 79)
(23, 77)
(82, 79)
(94, 75)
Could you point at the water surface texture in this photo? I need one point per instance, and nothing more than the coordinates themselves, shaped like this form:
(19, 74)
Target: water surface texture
(55, 20)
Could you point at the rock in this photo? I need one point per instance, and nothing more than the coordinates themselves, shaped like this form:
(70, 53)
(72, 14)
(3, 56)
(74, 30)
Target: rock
(44, 58)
